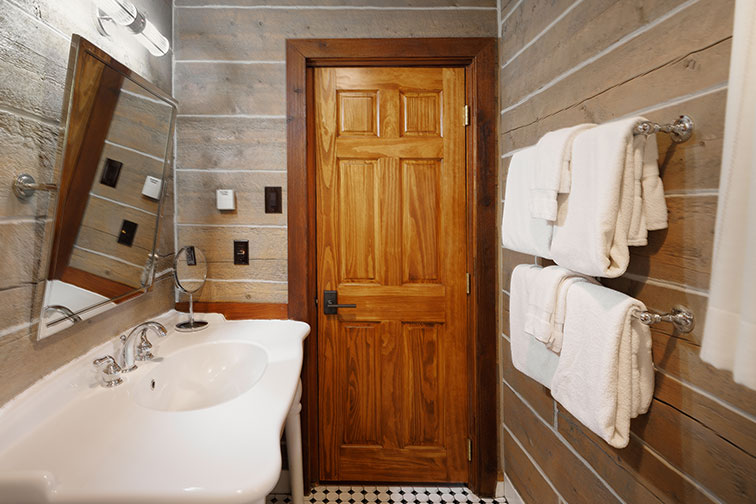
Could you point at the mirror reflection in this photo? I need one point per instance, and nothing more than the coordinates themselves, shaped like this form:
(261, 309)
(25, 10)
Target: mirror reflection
(116, 149)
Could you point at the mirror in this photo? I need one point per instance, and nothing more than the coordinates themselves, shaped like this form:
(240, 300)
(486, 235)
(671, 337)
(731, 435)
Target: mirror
(190, 273)
(115, 154)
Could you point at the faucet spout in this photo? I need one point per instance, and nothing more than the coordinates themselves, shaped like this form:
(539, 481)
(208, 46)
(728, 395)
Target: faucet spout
(128, 353)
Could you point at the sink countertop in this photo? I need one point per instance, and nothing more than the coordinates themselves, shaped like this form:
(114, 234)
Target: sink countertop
(73, 440)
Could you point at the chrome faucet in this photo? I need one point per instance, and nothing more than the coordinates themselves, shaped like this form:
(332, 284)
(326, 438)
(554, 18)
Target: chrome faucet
(132, 351)
(70, 315)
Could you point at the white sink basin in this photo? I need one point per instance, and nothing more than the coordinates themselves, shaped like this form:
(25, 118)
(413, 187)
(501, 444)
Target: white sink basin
(209, 432)
(201, 376)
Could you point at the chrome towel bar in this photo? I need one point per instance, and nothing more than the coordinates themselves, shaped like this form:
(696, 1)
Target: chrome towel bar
(680, 316)
(24, 186)
(680, 130)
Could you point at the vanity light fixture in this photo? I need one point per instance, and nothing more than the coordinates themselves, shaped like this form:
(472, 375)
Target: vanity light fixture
(123, 13)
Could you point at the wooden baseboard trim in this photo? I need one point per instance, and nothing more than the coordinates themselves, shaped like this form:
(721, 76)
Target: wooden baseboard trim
(240, 311)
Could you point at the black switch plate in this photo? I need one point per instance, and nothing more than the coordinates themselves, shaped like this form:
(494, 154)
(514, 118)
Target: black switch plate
(191, 257)
(273, 202)
(241, 251)
(110, 172)
(128, 230)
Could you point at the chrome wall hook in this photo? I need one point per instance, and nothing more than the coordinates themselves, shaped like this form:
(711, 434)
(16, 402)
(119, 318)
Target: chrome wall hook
(25, 185)
(680, 316)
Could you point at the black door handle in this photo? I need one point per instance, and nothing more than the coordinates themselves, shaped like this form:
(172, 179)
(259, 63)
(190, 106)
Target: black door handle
(331, 303)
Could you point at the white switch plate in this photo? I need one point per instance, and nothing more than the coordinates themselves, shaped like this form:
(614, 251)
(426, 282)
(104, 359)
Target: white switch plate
(225, 199)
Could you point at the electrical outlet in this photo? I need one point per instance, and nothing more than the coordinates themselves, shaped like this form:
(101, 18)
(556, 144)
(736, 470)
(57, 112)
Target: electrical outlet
(241, 251)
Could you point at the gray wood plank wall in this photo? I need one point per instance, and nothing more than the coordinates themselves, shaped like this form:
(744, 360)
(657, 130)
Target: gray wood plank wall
(565, 62)
(230, 83)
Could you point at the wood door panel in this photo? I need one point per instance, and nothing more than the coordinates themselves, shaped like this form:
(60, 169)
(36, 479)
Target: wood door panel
(390, 180)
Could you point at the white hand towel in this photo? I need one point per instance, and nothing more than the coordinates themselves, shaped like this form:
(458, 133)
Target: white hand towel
(548, 289)
(528, 355)
(605, 374)
(607, 208)
(520, 231)
(557, 333)
(552, 170)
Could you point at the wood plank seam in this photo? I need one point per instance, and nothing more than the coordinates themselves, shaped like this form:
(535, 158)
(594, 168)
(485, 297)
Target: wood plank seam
(532, 461)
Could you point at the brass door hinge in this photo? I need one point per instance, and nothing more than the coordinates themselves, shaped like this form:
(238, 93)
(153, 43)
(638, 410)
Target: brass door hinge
(467, 115)
(469, 282)
(469, 450)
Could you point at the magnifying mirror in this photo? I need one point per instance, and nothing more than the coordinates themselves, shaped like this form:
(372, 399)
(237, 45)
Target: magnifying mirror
(190, 273)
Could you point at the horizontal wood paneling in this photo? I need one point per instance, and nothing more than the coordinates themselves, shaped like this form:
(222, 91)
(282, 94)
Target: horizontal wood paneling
(525, 476)
(570, 476)
(19, 242)
(600, 61)
(491, 4)
(231, 143)
(227, 88)
(538, 395)
(259, 34)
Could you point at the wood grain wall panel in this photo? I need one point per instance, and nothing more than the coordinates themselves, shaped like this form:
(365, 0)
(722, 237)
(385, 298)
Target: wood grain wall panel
(680, 359)
(136, 167)
(699, 452)
(525, 21)
(230, 88)
(107, 267)
(601, 61)
(106, 242)
(215, 33)
(244, 291)
(588, 28)
(231, 143)
(636, 472)
(249, 188)
(707, 22)
(107, 217)
(525, 476)
(680, 80)
(19, 264)
(574, 481)
(682, 253)
(140, 124)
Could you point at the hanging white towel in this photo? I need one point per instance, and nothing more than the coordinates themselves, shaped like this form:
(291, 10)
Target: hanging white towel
(552, 170)
(529, 356)
(606, 210)
(729, 338)
(605, 374)
(520, 231)
(544, 321)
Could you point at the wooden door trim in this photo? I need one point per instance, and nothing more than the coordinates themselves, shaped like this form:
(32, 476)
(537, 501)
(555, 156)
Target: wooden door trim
(478, 57)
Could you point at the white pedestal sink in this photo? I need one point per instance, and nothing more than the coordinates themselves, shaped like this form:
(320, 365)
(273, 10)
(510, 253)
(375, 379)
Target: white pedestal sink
(200, 424)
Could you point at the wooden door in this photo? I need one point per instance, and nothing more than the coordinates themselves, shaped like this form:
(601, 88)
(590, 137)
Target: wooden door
(391, 239)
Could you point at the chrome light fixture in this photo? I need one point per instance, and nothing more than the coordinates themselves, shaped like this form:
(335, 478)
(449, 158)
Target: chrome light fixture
(123, 13)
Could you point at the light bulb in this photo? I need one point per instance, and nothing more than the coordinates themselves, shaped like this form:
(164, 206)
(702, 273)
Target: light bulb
(152, 39)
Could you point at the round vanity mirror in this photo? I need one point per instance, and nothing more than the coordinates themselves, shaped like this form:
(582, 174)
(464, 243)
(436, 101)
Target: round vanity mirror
(190, 273)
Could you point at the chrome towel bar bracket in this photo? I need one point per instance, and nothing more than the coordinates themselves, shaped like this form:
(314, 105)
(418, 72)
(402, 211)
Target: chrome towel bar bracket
(680, 130)
(681, 317)
(25, 185)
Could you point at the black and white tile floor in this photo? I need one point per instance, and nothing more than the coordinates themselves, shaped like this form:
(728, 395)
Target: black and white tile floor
(387, 495)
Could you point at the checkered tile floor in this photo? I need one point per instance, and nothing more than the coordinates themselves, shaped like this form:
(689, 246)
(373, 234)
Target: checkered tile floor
(387, 495)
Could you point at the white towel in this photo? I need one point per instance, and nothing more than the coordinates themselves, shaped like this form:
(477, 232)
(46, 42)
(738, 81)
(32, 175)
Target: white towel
(520, 231)
(528, 355)
(605, 372)
(608, 208)
(547, 304)
(552, 170)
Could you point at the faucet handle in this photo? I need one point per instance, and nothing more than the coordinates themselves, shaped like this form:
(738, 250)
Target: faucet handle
(111, 372)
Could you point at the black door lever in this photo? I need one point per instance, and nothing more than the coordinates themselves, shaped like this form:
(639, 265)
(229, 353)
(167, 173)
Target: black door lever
(331, 304)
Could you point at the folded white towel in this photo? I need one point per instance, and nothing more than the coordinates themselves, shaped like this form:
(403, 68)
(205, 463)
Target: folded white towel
(528, 355)
(605, 372)
(552, 170)
(546, 304)
(520, 231)
(616, 195)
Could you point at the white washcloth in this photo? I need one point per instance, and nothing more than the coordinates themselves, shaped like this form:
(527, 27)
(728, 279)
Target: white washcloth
(552, 170)
(546, 304)
(608, 209)
(528, 355)
(605, 373)
(520, 231)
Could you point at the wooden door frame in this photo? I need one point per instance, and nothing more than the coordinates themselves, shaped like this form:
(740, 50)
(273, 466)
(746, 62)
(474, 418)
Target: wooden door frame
(478, 56)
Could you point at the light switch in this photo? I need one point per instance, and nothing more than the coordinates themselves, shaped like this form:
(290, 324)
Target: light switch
(273, 202)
